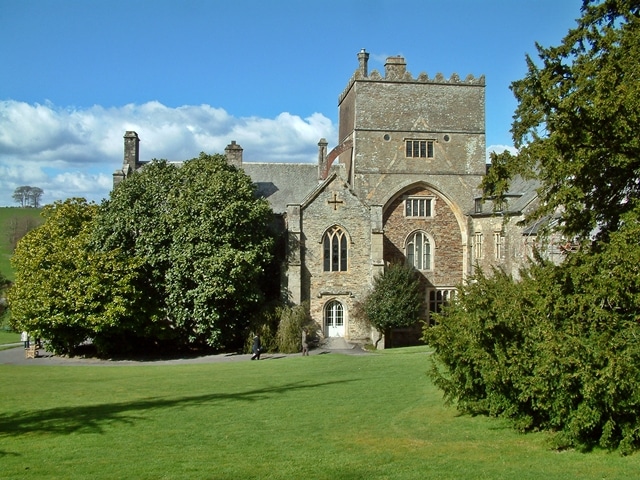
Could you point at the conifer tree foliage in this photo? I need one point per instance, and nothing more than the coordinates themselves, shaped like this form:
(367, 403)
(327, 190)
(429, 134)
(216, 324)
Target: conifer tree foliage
(395, 300)
(559, 350)
(576, 122)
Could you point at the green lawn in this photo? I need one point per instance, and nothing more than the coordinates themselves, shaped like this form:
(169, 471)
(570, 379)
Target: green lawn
(321, 417)
(8, 337)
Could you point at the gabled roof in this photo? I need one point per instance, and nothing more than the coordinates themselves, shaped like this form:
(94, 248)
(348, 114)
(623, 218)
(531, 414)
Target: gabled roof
(322, 186)
(283, 183)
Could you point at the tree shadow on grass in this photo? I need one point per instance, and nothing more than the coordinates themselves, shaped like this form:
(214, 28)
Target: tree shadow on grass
(93, 418)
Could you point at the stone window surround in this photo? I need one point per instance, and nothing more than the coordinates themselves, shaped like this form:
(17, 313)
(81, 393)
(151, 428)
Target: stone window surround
(437, 297)
(477, 246)
(432, 205)
(330, 235)
(419, 147)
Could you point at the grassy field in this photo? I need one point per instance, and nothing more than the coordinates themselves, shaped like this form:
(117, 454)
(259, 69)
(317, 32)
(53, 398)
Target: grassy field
(321, 417)
(13, 221)
(8, 337)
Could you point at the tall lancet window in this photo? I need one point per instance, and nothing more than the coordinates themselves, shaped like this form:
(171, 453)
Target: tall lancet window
(335, 250)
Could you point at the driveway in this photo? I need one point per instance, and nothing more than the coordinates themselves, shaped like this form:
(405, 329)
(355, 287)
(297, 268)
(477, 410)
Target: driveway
(16, 356)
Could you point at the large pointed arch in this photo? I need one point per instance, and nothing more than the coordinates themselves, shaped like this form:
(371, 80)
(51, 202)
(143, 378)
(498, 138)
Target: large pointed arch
(459, 215)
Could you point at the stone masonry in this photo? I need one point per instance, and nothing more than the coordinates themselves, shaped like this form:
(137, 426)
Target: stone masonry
(402, 184)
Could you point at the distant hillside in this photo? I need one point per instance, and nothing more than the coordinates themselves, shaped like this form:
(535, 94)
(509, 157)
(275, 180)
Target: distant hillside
(14, 224)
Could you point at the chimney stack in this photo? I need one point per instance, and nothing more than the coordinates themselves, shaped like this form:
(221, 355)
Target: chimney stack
(363, 60)
(322, 158)
(131, 152)
(234, 154)
(395, 68)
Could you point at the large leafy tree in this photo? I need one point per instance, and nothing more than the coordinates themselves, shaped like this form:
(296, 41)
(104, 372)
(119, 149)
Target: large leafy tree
(576, 122)
(134, 222)
(66, 292)
(21, 195)
(203, 240)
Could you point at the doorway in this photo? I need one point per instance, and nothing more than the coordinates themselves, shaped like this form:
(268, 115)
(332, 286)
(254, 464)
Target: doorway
(334, 319)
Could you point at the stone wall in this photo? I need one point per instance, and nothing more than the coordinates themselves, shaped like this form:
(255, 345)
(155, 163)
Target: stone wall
(335, 205)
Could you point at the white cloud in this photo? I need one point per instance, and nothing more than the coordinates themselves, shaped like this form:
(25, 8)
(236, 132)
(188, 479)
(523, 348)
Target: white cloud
(73, 152)
(499, 149)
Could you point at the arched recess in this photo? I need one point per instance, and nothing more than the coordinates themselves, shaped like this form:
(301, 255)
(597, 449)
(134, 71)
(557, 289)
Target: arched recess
(459, 215)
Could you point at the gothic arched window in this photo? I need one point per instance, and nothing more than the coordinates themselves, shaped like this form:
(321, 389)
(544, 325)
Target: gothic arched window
(418, 251)
(334, 246)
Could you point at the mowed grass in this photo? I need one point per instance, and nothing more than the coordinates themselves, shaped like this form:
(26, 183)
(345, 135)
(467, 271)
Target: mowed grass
(331, 416)
(8, 337)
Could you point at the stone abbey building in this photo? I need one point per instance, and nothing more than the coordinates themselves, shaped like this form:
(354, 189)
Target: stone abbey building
(401, 185)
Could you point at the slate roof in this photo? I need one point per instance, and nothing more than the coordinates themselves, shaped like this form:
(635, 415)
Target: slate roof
(283, 183)
(520, 195)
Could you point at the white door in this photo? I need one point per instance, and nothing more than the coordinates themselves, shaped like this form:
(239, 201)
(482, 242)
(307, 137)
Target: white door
(334, 319)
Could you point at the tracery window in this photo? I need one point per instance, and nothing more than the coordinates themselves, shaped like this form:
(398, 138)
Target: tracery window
(418, 251)
(335, 250)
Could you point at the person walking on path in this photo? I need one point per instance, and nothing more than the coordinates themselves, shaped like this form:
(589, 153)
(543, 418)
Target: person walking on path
(24, 337)
(256, 348)
(305, 344)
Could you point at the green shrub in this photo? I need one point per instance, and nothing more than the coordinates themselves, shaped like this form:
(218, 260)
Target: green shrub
(292, 321)
(558, 350)
(4, 286)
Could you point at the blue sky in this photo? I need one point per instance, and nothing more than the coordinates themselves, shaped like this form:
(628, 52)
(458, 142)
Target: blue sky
(192, 75)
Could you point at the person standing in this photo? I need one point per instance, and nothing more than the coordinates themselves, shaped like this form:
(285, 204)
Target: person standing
(256, 348)
(305, 344)
(24, 338)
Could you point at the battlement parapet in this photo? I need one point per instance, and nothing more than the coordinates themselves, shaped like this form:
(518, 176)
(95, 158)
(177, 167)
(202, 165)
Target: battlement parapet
(403, 76)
